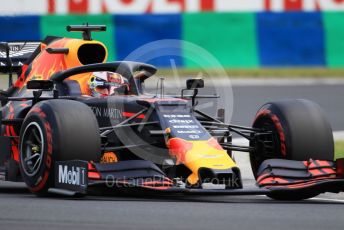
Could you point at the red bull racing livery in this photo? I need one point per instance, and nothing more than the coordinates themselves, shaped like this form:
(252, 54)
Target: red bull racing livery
(73, 123)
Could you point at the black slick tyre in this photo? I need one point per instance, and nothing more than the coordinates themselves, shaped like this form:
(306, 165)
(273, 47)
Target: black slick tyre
(55, 130)
(301, 133)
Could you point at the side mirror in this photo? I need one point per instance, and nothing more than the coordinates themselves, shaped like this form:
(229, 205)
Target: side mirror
(40, 84)
(194, 83)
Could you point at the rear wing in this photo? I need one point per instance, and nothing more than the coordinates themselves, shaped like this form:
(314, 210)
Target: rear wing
(14, 54)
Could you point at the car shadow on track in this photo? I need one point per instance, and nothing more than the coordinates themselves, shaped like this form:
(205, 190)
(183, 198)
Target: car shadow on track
(20, 189)
(252, 199)
(13, 187)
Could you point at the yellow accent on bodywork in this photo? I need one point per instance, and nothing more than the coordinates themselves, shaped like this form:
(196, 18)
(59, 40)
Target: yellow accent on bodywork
(72, 60)
(203, 155)
(83, 80)
(73, 45)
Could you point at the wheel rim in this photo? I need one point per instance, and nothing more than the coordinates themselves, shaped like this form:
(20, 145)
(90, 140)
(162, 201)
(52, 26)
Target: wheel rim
(31, 149)
(257, 158)
(273, 148)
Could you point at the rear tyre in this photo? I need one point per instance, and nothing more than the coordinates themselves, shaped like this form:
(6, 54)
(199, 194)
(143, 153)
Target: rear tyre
(55, 130)
(302, 133)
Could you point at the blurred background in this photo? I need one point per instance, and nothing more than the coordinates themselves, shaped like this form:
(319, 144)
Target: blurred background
(241, 34)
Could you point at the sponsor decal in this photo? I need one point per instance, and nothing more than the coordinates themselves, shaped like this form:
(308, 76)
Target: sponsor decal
(194, 137)
(164, 6)
(18, 51)
(176, 115)
(74, 176)
(189, 131)
(173, 121)
(185, 126)
(111, 113)
(19, 63)
(71, 175)
(15, 48)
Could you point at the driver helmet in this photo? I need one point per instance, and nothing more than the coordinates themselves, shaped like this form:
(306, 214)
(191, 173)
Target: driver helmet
(103, 84)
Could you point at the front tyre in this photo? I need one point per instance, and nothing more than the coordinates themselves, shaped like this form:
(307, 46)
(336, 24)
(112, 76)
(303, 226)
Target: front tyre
(301, 132)
(56, 130)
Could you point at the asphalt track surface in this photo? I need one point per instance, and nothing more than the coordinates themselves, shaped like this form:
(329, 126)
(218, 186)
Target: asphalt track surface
(19, 209)
(248, 99)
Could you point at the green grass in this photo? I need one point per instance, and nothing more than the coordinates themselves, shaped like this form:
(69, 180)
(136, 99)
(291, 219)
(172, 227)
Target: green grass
(263, 73)
(266, 72)
(339, 149)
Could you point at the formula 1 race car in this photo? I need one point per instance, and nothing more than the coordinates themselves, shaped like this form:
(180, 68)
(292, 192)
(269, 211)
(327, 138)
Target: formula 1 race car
(58, 137)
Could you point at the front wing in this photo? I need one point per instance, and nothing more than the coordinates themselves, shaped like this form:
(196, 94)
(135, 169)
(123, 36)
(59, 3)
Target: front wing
(277, 178)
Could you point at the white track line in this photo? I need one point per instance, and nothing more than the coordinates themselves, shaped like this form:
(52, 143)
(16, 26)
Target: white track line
(338, 135)
(221, 81)
(286, 82)
(327, 199)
